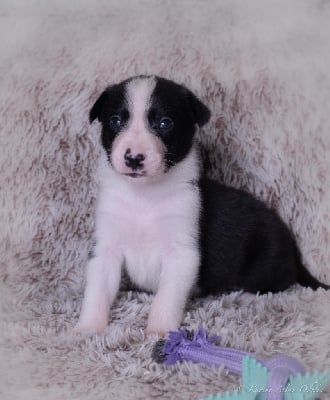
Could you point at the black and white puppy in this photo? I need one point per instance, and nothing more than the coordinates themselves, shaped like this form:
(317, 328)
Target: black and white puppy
(171, 229)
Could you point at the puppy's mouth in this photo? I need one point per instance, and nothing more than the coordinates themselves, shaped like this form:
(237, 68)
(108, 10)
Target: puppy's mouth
(135, 174)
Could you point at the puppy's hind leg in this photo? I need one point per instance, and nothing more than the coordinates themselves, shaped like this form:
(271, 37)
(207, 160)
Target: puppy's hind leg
(102, 284)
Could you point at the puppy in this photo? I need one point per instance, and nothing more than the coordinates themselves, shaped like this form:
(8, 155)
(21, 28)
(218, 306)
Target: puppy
(170, 228)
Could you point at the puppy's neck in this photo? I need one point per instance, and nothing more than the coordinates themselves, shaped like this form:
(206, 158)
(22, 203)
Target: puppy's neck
(186, 171)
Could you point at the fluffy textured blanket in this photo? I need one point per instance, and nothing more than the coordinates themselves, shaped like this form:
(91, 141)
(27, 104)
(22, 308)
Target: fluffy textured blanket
(263, 69)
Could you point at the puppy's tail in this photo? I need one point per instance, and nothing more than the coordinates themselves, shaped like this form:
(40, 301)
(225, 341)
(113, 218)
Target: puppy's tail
(305, 278)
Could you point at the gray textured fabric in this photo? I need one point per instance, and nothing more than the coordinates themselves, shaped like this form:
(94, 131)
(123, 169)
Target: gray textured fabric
(262, 68)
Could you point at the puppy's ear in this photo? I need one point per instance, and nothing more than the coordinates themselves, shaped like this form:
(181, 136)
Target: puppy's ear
(199, 111)
(97, 108)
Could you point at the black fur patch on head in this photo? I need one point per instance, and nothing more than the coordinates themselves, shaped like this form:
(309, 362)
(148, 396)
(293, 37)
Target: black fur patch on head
(112, 102)
(184, 109)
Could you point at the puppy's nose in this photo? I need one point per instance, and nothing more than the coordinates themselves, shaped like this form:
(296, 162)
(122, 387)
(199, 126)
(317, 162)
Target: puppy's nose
(134, 161)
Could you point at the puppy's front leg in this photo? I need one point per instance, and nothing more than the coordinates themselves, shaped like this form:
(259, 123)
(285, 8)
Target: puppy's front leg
(102, 284)
(178, 276)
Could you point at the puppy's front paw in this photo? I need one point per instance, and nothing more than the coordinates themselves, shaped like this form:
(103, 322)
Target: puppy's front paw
(162, 319)
(151, 332)
(89, 327)
(160, 327)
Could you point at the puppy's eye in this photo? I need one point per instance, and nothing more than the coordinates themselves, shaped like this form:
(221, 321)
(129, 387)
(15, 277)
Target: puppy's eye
(166, 123)
(115, 121)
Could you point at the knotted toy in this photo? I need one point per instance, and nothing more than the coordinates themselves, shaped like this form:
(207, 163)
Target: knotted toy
(280, 377)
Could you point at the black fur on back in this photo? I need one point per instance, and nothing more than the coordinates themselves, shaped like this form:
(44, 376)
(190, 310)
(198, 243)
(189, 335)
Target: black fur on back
(245, 245)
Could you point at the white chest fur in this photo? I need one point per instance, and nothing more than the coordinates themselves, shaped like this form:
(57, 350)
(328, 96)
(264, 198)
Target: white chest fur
(145, 224)
(152, 227)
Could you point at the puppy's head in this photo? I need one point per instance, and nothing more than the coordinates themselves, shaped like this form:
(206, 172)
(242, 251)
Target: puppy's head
(148, 125)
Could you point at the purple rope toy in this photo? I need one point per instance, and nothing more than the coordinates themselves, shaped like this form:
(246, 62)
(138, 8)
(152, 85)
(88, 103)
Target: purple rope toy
(198, 347)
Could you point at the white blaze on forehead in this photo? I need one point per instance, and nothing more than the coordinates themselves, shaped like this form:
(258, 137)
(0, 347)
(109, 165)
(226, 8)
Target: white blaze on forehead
(139, 92)
(136, 137)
